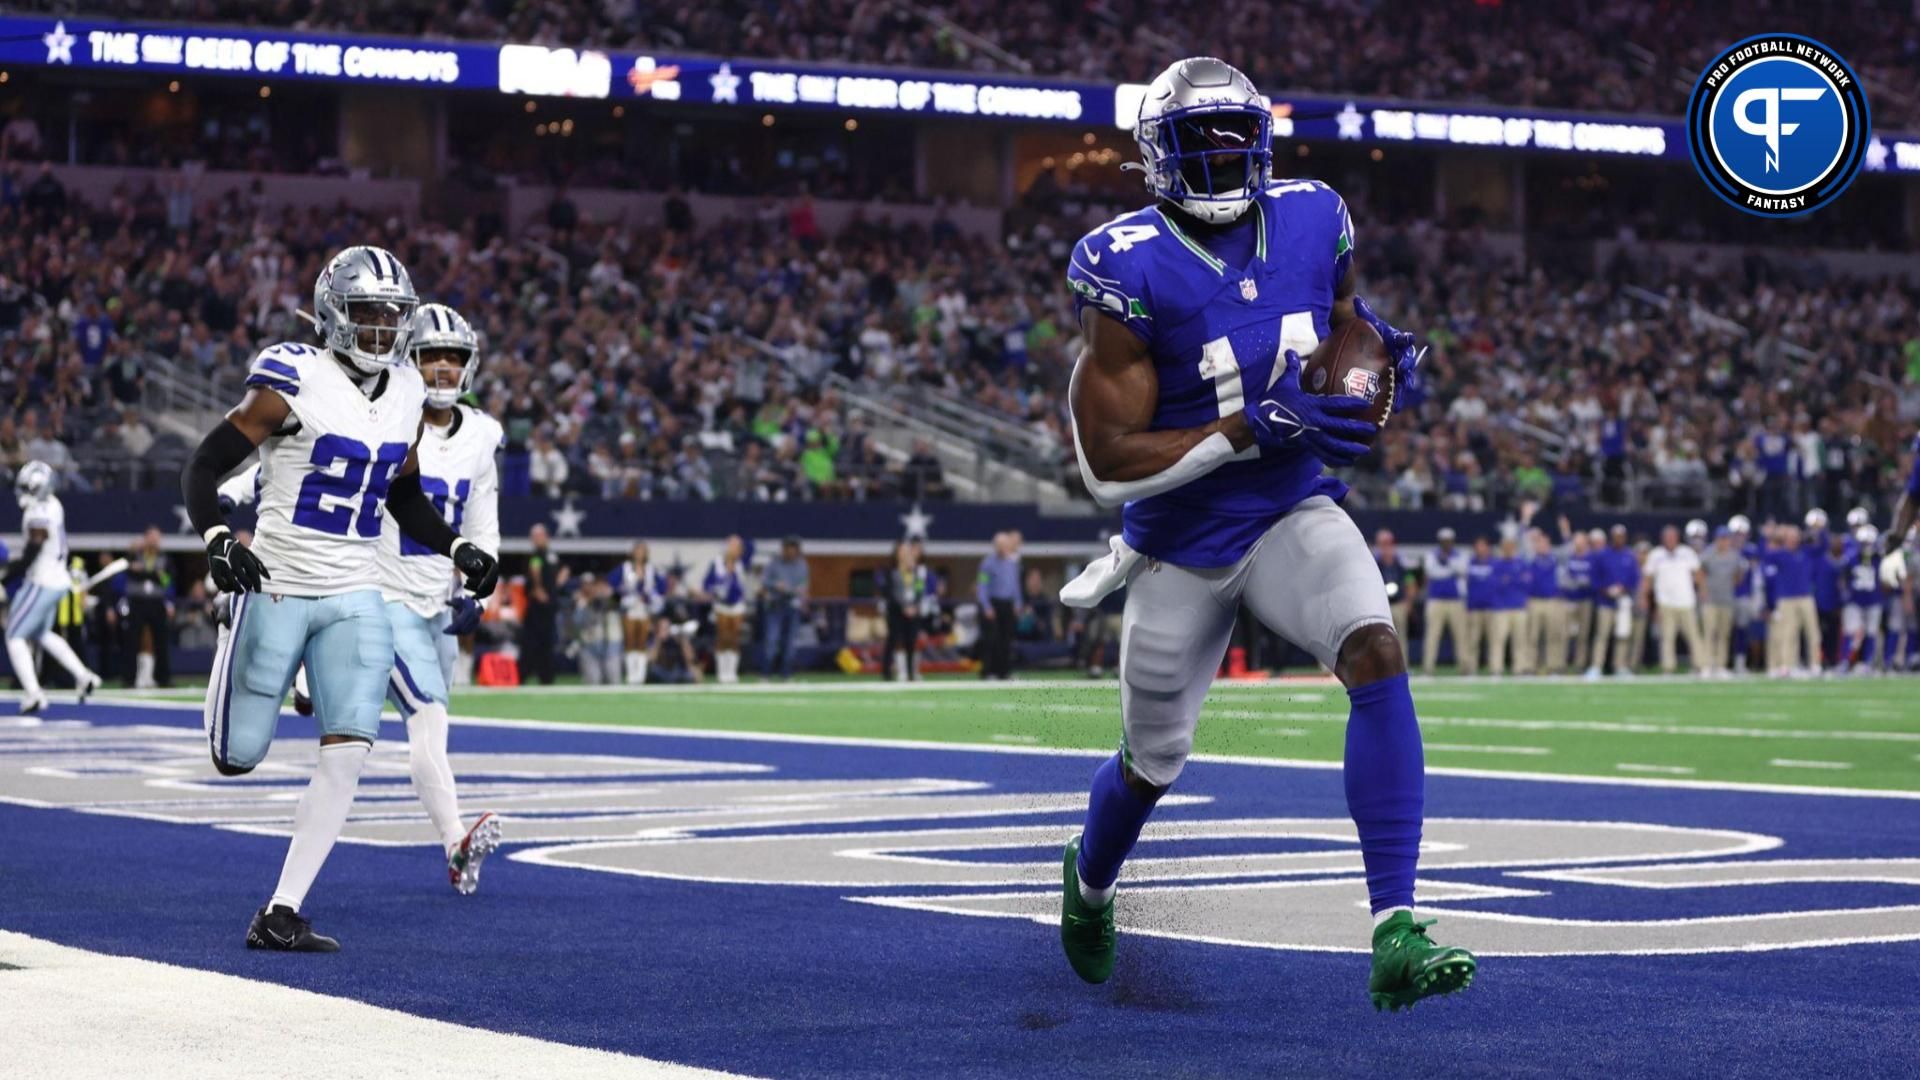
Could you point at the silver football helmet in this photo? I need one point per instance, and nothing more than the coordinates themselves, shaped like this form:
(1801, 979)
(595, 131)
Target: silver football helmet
(362, 301)
(1866, 535)
(1738, 523)
(1696, 531)
(1816, 518)
(32, 483)
(1206, 139)
(437, 326)
(1859, 516)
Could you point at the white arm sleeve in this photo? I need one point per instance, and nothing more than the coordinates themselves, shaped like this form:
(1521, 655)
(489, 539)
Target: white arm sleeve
(1212, 452)
(240, 488)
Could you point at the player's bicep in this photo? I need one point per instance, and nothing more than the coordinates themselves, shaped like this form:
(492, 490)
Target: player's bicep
(1112, 391)
(261, 413)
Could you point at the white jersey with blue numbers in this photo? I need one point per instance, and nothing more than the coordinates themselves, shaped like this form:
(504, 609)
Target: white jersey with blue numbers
(458, 475)
(324, 476)
(49, 569)
(1214, 333)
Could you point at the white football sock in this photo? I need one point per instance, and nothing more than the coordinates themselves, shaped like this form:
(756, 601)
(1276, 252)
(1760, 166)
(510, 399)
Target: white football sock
(729, 665)
(143, 671)
(1096, 898)
(1382, 916)
(633, 668)
(21, 655)
(57, 647)
(900, 665)
(432, 776)
(640, 669)
(318, 819)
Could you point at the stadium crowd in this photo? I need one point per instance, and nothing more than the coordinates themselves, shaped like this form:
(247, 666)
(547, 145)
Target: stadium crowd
(657, 364)
(1624, 57)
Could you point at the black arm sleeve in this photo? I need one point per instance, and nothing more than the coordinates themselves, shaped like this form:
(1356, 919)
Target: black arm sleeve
(25, 562)
(222, 451)
(415, 514)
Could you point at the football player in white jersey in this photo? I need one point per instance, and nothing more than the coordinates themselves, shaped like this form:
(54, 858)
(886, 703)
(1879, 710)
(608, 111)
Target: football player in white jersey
(336, 428)
(44, 580)
(427, 612)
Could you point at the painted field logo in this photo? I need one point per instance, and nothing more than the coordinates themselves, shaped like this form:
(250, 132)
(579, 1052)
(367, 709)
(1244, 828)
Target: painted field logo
(1778, 125)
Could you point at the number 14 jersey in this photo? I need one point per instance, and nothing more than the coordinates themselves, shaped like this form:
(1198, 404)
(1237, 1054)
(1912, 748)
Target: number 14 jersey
(324, 476)
(1214, 333)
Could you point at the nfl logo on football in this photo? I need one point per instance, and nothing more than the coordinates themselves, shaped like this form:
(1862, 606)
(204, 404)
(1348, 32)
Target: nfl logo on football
(1362, 383)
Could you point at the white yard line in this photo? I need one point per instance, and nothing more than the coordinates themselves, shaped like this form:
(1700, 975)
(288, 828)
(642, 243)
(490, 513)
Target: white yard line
(73, 1013)
(1797, 763)
(1483, 748)
(1091, 752)
(1664, 770)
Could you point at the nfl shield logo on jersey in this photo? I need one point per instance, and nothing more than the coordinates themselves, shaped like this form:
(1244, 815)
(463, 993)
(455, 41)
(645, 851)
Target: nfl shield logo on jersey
(1362, 383)
(1248, 290)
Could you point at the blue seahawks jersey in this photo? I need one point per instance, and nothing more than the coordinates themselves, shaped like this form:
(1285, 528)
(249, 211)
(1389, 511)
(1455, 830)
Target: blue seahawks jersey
(1861, 585)
(1215, 332)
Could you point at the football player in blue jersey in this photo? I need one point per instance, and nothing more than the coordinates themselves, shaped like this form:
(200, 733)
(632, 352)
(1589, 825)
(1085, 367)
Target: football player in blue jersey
(1893, 542)
(1188, 410)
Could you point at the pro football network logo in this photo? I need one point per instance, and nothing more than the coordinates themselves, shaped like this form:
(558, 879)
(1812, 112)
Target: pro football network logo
(1778, 125)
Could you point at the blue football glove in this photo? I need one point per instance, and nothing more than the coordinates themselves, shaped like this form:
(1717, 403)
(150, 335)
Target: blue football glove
(466, 616)
(1326, 425)
(1400, 345)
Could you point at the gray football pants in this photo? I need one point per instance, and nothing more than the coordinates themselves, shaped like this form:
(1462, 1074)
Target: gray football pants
(1311, 579)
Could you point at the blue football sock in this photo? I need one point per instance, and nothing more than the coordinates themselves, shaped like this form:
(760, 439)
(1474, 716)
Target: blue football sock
(1386, 778)
(1115, 814)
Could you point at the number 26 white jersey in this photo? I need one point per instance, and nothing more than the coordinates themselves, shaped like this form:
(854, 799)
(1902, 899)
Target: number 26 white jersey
(457, 473)
(323, 484)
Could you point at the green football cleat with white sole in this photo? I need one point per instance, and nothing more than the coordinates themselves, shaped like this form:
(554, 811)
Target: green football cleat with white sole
(1086, 933)
(1408, 966)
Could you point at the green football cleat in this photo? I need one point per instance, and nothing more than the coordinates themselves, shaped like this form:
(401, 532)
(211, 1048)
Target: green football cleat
(1408, 966)
(1086, 934)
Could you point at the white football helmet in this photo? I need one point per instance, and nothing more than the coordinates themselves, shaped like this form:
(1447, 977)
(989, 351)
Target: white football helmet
(362, 301)
(32, 483)
(1866, 536)
(1859, 516)
(437, 326)
(1816, 518)
(1206, 139)
(1696, 531)
(1739, 523)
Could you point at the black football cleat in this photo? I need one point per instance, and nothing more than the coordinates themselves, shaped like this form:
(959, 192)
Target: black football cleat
(285, 930)
(302, 704)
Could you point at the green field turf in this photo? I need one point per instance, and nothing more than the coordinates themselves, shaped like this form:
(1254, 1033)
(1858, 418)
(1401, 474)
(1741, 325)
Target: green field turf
(1840, 733)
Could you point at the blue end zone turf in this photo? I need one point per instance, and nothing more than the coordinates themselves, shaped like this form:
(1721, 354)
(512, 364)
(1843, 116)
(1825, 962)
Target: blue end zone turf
(785, 980)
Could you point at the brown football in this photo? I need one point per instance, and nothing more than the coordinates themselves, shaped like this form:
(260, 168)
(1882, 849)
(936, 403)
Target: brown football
(1353, 360)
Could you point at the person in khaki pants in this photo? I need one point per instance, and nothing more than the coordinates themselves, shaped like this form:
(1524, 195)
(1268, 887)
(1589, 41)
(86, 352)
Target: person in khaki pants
(1445, 571)
(1790, 590)
(1616, 580)
(1672, 581)
(1545, 636)
(1482, 588)
(1506, 626)
(1577, 589)
(1723, 566)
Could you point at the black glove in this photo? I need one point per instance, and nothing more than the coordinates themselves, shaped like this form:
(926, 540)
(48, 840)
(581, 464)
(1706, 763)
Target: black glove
(481, 570)
(234, 568)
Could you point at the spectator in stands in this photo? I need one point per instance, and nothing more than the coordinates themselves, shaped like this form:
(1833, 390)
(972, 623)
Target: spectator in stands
(998, 593)
(547, 466)
(136, 438)
(1445, 572)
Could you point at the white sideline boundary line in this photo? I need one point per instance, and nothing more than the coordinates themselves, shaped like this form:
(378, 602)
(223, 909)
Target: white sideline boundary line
(76, 1013)
(1754, 787)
